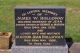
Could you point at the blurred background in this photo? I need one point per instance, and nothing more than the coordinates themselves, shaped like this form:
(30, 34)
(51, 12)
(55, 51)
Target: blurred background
(72, 27)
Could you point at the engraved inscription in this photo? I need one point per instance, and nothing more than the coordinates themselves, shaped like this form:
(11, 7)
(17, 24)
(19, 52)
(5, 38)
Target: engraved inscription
(39, 26)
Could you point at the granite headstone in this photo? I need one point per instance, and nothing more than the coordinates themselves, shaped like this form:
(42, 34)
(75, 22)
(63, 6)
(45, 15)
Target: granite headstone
(40, 29)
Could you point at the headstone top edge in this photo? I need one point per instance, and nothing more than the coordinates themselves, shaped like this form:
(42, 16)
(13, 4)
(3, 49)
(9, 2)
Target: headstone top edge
(40, 7)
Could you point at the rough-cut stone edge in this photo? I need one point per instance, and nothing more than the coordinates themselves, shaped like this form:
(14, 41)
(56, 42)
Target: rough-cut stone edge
(39, 49)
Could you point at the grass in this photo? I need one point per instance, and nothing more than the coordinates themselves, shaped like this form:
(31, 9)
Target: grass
(72, 14)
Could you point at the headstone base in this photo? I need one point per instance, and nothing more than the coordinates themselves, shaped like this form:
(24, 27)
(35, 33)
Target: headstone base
(39, 49)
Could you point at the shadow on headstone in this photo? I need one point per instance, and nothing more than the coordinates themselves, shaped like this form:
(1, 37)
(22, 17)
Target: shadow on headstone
(69, 41)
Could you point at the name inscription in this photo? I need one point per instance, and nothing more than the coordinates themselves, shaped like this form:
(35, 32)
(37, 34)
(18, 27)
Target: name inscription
(39, 27)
